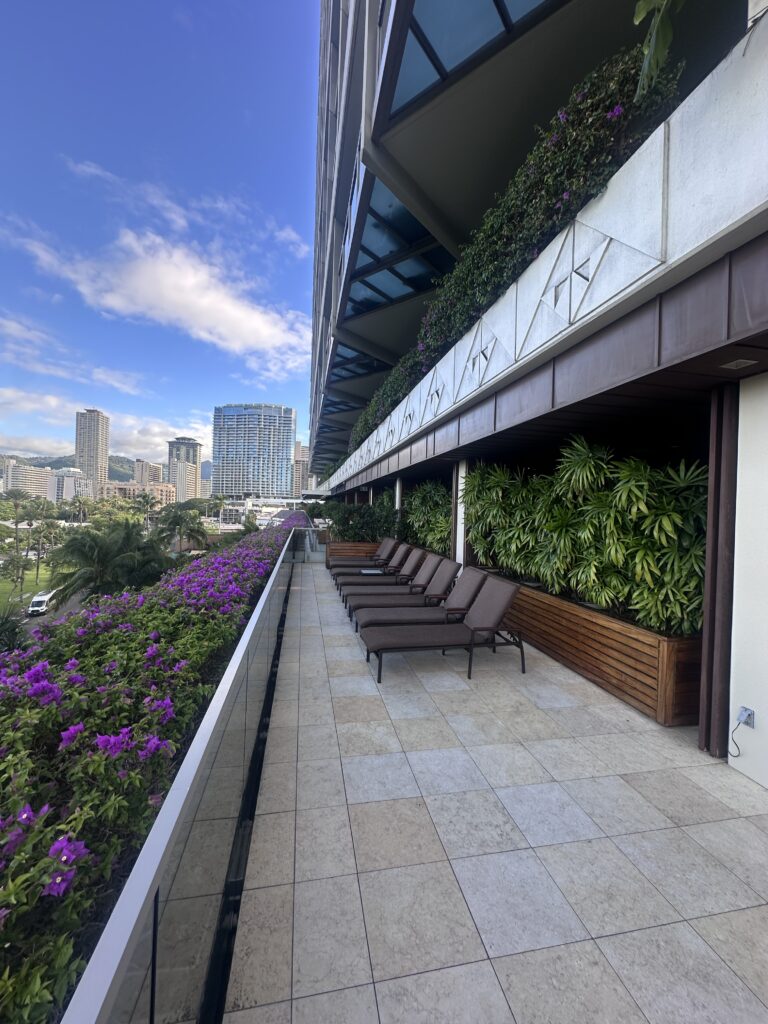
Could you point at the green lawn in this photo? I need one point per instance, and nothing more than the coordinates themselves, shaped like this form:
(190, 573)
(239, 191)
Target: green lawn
(30, 587)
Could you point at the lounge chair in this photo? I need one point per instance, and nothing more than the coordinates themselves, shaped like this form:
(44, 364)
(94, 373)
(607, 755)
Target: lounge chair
(390, 579)
(481, 628)
(381, 556)
(394, 565)
(417, 585)
(453, 609)
(408, 596)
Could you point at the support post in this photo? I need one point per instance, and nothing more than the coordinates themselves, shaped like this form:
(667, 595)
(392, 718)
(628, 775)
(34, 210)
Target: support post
(459, 526)
(370, 495)
(398, 501)
(714, 700)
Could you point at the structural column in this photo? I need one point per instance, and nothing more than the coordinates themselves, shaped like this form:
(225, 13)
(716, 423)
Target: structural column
(459, 533)
(398, 500)
(714, 707)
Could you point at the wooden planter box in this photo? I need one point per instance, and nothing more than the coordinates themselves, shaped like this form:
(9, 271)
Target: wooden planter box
(657, 675)
(351, 549)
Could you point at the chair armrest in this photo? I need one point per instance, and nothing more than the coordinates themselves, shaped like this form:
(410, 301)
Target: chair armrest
(483, 629)
(437, 598)
(404, 577)
(417, 588)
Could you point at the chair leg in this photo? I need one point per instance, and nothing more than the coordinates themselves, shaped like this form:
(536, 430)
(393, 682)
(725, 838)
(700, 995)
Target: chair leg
(367, 655)
(522, 656)
(357, 627)
(380, 656)
(469, 667)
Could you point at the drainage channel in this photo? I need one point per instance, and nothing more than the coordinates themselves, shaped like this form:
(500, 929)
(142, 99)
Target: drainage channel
(220, 963)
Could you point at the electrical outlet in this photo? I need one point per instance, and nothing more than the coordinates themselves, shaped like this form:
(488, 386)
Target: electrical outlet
(747, 717)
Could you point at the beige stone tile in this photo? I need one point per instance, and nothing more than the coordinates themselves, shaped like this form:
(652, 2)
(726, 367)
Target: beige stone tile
(546, 814)
(469, 994)
(315, 711)
(261, 964)
(359, 709)
(277, 789)
(676, 796)
(741, 939)
(445, 771)
(626, 752)
(367, 738)
(285, 713)
(270, 858)
(473, 730)
(515, 904)
(567, 759)
(222, 794)
(378, 777)
(281, 744)
(425, 733)
(508, 764)
(319, 784)
(564, 984)
(730, 787)
(276, 1013)
(318, 741)
(604, 888)
(203, 865)
(394, 833)
(532, 725)
(474, 822)
(467, 702)
(417, 920)
(693, 881)
(673, 975)
(740, 845)
(616, 806)
(410, 705)
(329, 945)
(323, 843)
(359, 685)
(347, 1006)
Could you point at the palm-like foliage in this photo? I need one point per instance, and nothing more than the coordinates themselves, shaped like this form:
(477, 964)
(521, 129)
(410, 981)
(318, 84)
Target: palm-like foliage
(145, 504)
(92, 562)
(177, 525)
(18, 500)
(619, 534)
(12, 633)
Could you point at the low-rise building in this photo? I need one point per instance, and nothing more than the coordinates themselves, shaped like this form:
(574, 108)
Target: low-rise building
(147, 472)
(165, 493)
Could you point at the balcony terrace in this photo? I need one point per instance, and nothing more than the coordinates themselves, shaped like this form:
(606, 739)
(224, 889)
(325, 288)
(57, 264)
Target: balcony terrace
(511, 848)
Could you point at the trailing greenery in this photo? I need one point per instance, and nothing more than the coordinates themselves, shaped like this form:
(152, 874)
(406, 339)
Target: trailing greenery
(617, 533)
(95, 717)
(658, 40)
(353, 523)
(428, 515)
(585, 143)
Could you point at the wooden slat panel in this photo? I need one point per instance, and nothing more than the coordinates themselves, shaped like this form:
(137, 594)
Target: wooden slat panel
(349, 549)
(657, 675)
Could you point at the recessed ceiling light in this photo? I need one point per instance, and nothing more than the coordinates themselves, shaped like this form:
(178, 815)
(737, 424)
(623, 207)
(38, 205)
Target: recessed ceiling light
(738, 364)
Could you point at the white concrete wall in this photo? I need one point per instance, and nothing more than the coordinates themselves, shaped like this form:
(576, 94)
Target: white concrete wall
(695, 189)
(749, 657)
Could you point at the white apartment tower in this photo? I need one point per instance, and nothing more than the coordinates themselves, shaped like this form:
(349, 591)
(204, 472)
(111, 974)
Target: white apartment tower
(147, 472)
(300, 469)
(92, 446)
(184, 459)
(253, 447)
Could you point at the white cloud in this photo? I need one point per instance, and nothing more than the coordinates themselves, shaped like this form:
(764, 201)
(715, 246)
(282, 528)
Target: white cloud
(293, 241)
(33, 349)
(145, 275)
(134, 436)
(135, 195)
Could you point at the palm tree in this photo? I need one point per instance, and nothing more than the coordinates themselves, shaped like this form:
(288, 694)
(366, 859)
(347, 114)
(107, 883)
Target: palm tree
(44, 535)
(37, 509)
(178, 524)
(12, 633)
(145, 504)
(18, 499)
(79, 506)
(14, 569)
(103, 561)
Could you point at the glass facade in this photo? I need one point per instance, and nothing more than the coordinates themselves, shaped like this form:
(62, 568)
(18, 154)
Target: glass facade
(397, 258)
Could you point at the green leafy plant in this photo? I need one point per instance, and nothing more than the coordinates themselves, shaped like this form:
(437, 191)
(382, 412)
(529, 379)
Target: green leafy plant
(617, 533)
(582, 147)
(428, 515)
(357, 523)
(658, 40)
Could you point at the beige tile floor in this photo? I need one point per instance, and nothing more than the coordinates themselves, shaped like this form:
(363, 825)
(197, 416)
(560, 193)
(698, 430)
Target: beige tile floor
(520, 849)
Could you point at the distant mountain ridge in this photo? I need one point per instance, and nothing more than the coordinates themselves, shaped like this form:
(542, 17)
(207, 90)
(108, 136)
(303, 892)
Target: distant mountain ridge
(120, 466)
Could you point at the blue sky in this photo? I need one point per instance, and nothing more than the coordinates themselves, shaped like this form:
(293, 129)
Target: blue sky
(156, 215)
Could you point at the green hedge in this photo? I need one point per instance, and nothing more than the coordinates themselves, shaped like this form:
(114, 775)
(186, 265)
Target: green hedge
(428, 511)
(357, 523)
(617, 533)
(583, 146)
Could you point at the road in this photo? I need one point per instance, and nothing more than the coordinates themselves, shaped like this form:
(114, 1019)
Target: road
(72, 605)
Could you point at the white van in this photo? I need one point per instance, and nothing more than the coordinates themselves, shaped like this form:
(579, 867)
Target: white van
(40, 603)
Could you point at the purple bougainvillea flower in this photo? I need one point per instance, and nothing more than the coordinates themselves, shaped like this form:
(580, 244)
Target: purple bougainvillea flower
(4, 912)
(154, 745)
(140, 601)
(26, 815)
(154, 635)
(113, 746)
(615, 114)
(45, 692)
(70, 734)
(13, 841)
(67, 850)
(155, 799)
(110, 667)
(81, 631)
(72, 664)
(59, 883)
(562, 116)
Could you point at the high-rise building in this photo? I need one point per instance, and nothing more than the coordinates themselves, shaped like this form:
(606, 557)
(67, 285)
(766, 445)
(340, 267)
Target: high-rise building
(92, 445)
(35, 480)
(147, 472)
(253, 450)
(300, 468)
(184, 464)
(66, 484)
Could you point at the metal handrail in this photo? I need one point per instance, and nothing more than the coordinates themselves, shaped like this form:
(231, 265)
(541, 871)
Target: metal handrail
(94, 998)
